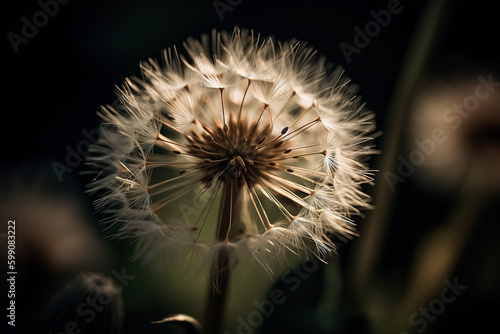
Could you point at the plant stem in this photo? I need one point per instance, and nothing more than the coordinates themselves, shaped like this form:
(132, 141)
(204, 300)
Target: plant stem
(227, 229)
(217, 298)
(367, 255)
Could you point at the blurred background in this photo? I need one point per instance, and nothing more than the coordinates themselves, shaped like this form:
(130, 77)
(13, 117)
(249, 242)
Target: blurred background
(431, 75)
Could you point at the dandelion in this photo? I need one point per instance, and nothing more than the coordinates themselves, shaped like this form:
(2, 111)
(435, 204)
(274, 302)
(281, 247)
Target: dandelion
(466, 151)
(243, 145)
(89, 291)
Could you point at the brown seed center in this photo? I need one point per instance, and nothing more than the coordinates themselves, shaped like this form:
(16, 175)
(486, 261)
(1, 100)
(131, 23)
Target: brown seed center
(245, 150)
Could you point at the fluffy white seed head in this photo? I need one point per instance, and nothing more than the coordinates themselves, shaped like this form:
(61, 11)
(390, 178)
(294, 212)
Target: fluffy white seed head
(243, 144)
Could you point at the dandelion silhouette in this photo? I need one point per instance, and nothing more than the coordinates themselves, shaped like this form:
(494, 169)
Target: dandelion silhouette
(245, 144)
(91, 303)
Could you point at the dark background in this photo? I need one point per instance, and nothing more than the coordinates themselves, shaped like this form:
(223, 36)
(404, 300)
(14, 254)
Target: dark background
(55, 83)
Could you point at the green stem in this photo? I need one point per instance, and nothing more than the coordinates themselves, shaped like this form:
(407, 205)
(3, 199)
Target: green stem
(228, 227)
(216, 303)
(368, 252)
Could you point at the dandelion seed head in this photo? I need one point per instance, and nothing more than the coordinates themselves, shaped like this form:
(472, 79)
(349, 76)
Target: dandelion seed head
(241, 144)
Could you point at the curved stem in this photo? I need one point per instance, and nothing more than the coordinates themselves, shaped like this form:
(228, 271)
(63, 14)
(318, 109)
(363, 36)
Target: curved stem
(367, 254)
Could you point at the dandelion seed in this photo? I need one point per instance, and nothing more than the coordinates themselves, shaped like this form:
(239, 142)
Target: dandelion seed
(198, 160)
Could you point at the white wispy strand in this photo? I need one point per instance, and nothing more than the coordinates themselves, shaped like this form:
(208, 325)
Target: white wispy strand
(265, 131)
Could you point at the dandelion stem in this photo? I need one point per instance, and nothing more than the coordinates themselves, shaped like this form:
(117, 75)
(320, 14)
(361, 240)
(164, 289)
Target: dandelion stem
(217, 299)
(367, 255)
(227, 231)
